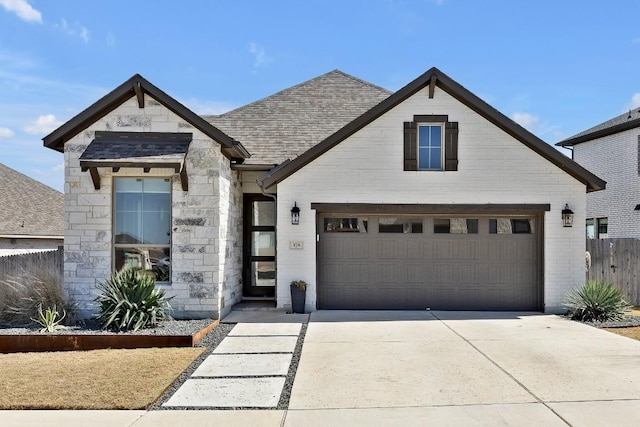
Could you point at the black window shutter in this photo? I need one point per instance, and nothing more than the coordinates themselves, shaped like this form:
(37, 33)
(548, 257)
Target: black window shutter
(450, 146)
(410, 146)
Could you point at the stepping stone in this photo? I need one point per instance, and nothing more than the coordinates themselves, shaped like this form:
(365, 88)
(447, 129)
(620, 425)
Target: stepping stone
(229, 392)
(257, 345)
(266, 329)
(244, 365)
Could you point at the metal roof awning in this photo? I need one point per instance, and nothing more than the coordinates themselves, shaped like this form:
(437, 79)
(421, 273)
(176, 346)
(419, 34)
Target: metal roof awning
(146, 150)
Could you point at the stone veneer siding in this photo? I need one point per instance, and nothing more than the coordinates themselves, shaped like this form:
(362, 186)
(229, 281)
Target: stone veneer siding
(206, 246)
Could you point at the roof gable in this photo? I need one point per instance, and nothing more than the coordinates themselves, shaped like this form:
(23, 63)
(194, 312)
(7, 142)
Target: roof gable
(288, 123)
(138, 86)
(621, 123)
(28, 207)
(435, 77)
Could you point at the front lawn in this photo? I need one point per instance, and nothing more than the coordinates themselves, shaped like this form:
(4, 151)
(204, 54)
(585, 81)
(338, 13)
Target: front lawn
(97, 379)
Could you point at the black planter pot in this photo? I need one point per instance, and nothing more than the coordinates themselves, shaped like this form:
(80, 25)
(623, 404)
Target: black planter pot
(298, 297)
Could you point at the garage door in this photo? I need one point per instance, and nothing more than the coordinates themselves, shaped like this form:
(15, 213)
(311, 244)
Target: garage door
(439, 262)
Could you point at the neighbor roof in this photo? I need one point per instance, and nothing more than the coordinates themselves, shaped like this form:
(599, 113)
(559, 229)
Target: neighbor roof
(626, 121)
(28, 207)
(436, 77)
(290, 122)
(138, 86)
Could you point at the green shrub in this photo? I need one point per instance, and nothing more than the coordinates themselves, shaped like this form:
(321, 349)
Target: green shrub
(129, 300)
(21, 295)
(597, 301)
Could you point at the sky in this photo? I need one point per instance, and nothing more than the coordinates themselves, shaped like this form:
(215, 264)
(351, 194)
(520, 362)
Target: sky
(556, 67)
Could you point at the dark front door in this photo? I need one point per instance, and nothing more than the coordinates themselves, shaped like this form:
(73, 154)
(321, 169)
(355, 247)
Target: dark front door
(259, 263)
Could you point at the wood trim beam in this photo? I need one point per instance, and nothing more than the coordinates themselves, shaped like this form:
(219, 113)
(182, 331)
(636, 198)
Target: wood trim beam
(432, 86)
(95, 177)
(137, 88)
(391, 208)
(184, 179)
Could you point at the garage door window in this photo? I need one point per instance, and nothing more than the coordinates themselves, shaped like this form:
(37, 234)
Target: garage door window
(346, 225)
(399, 225)
(455, 226)
(511, 226)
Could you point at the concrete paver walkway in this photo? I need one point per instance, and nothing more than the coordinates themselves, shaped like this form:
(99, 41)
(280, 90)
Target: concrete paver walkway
(248, 369)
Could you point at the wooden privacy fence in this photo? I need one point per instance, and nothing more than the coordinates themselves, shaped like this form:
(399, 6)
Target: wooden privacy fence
(13, 266)
(616, 261)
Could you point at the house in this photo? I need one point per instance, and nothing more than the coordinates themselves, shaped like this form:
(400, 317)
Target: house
(31, 214)
(423, 198)
(612, 151)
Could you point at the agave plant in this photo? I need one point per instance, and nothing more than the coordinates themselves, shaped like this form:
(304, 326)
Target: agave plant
(597, 301)
(50, 319)
(129, 300)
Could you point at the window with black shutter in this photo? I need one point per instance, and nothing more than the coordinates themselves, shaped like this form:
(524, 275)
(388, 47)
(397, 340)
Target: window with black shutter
(431, 143)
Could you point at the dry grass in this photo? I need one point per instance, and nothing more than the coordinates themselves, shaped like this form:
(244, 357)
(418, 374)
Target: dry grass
(633, 332)
(97, 379)
(635, 311)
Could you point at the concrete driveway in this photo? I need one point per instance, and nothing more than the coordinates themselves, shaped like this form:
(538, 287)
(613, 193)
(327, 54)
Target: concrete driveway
(463, 368)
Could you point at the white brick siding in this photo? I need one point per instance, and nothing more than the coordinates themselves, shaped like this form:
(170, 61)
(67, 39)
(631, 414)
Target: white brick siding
(493, 168)
(614, 158)
(205, 255)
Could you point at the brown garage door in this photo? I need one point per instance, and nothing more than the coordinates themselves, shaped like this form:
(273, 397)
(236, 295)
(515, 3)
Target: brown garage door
(437, 262)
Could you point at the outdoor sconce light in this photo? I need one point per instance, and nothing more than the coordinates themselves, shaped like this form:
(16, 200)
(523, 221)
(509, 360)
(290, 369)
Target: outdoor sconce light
(295, 214)
(567, 216)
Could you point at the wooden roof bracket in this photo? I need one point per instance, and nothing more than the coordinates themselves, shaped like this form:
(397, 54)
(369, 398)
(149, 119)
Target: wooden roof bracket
(137, 88)
(184, 180)
(95, 177)
(432, 86)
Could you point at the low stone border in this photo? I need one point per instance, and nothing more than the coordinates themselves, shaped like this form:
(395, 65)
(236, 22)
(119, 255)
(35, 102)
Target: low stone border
(73, 342)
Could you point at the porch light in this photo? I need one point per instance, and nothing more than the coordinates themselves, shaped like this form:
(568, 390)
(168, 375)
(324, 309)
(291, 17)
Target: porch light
(295, 214)
(567, 216)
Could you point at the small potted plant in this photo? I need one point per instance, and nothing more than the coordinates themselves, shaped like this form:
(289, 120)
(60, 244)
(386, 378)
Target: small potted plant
(298, 295)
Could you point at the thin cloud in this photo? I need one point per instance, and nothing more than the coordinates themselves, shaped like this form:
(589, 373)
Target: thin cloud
(111, 40)
(43, 125)
(636, 40)
(526, 120)
(635, 100)
(6, 133)
(260, 55)
(75, 31)
(22, 9)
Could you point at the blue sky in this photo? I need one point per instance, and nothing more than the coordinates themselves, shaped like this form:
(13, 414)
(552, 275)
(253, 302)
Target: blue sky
(556, 67)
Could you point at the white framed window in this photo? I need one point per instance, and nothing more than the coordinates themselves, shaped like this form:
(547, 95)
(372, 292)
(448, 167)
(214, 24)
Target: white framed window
(142, 225)
(591, 229)
(603, 228)
(430, 150)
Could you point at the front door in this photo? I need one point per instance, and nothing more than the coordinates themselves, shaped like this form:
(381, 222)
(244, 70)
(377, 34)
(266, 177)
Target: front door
(259, 262)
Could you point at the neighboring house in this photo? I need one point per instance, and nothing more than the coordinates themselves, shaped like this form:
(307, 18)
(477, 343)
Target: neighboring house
(611, 150)
(424, 198)
(31, 214)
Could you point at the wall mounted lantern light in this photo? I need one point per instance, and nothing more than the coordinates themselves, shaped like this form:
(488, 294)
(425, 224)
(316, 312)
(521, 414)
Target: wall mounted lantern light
(295, 214)
(567, 216)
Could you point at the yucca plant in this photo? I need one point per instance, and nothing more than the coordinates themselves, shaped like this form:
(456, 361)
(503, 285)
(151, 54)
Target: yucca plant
(597, 301)
(129, 300)
(50, 319)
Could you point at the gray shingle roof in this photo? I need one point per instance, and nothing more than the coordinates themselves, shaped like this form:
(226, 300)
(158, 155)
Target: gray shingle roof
(122, 147)
(623, 122)
(288, 123)
(28, 207)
